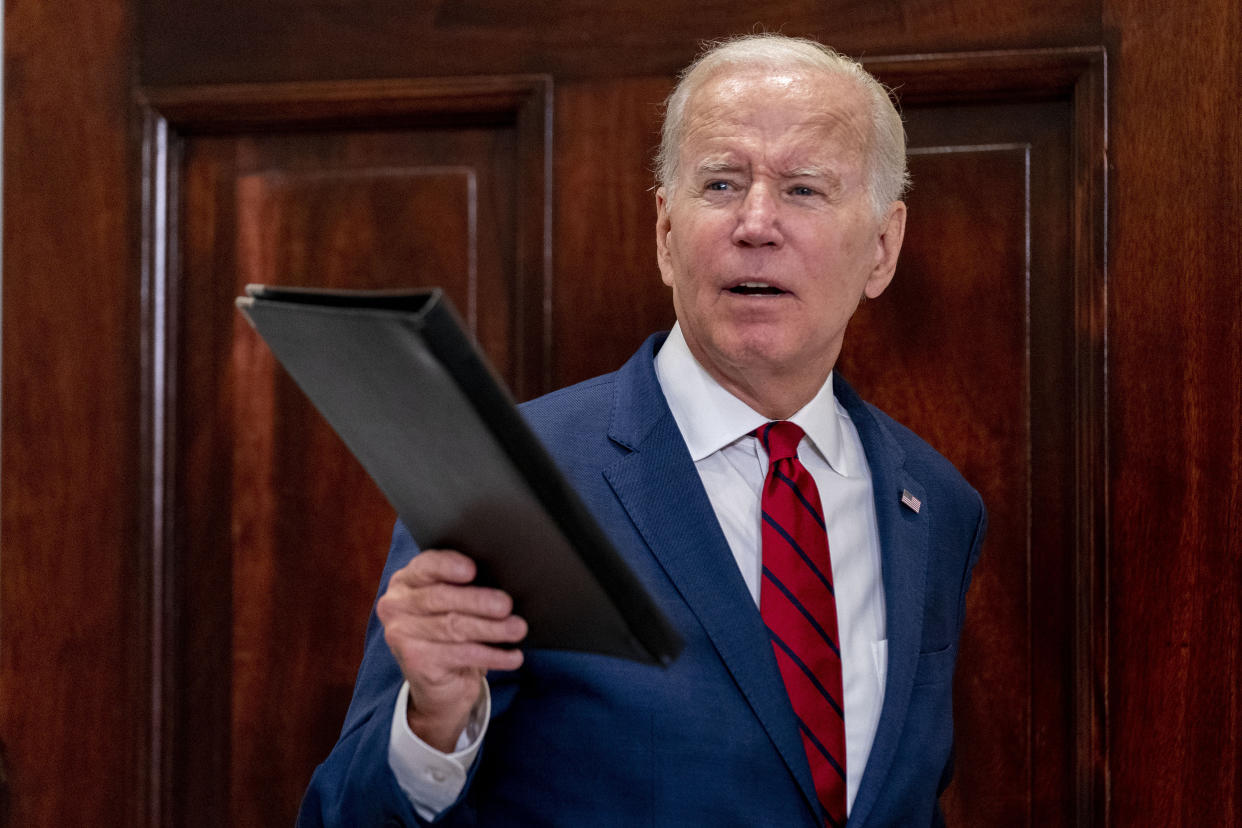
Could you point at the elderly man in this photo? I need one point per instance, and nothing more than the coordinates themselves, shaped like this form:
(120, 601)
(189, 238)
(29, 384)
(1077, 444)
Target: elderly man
(813, 553)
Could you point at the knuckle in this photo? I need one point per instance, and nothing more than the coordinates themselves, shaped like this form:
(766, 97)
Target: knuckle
(437, 564)
(395, 638)
(418, 571)
(434, 598)
(498, 603)
(487, 602)
(453, 626)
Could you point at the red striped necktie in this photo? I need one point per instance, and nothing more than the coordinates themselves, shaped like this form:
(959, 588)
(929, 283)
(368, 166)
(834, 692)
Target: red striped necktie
(799, 607)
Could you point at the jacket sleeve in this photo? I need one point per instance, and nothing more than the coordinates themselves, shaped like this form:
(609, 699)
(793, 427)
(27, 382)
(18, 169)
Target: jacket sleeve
(355, 785)
(976, 547)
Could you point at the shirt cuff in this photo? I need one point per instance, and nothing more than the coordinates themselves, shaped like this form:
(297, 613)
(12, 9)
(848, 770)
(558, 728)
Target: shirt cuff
(430, 779)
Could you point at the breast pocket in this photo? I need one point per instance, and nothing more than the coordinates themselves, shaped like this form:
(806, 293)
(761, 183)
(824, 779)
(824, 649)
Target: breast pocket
(935, 666)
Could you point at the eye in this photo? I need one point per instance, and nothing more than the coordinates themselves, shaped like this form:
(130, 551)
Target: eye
(718, 186)
(801, 190)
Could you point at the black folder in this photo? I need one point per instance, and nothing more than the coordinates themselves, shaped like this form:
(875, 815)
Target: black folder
(399, 380)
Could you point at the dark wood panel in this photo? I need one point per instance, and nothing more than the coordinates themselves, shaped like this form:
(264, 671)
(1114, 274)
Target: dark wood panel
(377, 226)
(608, 292)
(945, 350)
(1175, 570)
(516, 108)
(276, 533)
(939, 351)
(296, 225)
(72, 610)
(308, 525)
(282, 40)
(323, 222)
(308, 531)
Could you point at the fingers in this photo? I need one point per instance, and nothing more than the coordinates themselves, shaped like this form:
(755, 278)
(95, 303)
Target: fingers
(461, 628)
(435, 565)
(443, 632)
(444, 664)
(435, 583)
(429, 647)
(436, 623)
(448, 599)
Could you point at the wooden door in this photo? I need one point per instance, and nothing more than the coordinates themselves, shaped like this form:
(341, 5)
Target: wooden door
(271, 533)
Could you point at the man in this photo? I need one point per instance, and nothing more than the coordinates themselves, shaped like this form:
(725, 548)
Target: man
(781, 170)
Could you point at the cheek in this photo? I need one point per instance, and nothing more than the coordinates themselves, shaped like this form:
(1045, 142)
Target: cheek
(666, 271)
(685, 259)
(865, 242)
(672, 265)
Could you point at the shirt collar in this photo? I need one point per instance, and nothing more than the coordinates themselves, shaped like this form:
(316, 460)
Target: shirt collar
(710, 418)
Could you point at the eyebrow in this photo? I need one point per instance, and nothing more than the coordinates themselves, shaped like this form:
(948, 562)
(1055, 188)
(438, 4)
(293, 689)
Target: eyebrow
(711, 166)
(715, 166)
(831, 178)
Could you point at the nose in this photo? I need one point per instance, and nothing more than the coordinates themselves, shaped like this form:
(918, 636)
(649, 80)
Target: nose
(758, 220)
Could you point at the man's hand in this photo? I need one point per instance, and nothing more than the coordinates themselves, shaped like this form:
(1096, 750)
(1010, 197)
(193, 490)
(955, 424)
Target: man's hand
(439, 629)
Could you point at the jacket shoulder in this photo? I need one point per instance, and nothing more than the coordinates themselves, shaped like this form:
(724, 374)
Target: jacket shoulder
(589, 397)
(572, 422)
(931, 468)
(574, 409)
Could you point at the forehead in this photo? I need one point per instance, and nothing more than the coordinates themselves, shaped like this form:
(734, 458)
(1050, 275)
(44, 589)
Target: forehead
(770, 109)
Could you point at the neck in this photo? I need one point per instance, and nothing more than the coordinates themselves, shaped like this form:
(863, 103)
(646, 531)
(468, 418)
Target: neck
(775, 396)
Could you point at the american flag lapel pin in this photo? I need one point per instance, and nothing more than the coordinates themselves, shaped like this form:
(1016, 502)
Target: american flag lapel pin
(910, 501)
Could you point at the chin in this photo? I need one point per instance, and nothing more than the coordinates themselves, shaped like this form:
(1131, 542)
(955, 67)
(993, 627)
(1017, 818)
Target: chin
(765, 351)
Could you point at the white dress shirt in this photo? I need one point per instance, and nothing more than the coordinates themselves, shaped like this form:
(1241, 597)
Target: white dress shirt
(732, 464)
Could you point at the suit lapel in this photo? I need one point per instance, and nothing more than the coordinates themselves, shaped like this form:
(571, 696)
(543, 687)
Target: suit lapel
(660, 489)
(903, 552)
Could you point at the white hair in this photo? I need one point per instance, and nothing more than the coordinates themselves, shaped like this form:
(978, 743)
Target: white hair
(887, 174)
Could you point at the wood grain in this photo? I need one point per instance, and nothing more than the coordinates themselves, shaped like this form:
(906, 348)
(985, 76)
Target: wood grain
(72, 669)
(608, 294)
(959, 311)
(1175, 569)
(269, 592)
(239, 41)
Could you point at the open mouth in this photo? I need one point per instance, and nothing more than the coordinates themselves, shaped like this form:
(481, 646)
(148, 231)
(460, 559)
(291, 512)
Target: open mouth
(755, 289)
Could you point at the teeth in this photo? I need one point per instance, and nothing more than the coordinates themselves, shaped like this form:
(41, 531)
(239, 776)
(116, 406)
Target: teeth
(755, 289)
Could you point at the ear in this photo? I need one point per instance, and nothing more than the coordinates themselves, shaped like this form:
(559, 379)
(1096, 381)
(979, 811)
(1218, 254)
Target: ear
(892, 231)
(663, 227)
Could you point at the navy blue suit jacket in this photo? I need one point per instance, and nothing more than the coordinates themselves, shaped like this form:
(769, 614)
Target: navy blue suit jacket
(578, 739)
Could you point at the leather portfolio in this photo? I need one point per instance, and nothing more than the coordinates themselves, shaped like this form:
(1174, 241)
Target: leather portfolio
(413, 398)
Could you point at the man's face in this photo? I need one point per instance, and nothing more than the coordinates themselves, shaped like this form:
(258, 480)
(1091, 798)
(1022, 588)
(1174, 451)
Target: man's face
(769, 238)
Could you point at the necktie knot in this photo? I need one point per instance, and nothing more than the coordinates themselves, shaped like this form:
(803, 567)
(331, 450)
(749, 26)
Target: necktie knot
(780, 438)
